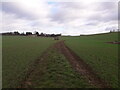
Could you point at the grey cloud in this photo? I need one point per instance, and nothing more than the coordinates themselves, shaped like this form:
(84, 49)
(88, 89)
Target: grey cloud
(104, 17)
(61, 17)
(104, 12)
(92, 23)
(119, 11)
(106, 6)
(72, 5)
(10, 7)
(62, 13)
(69, 16)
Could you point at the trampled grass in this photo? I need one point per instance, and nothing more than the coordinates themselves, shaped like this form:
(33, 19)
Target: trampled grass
(18, 53)
(101, 56)
(54, 71)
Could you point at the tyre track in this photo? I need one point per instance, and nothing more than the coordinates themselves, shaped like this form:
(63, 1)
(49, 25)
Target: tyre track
(76, 62)
(80, 66)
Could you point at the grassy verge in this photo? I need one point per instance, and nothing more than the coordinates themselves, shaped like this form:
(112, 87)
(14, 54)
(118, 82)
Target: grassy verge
(54, 71)
(18, 53)
(101, 56)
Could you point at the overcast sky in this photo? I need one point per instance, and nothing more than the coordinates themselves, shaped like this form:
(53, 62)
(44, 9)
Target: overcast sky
(68, 18)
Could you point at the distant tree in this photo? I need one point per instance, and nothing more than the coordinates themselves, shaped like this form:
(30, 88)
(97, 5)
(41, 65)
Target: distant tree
(52, 35)
(58, 34)
(42, 34)
(7, 33)
(37, 33)
(28, 33)
(16, 33)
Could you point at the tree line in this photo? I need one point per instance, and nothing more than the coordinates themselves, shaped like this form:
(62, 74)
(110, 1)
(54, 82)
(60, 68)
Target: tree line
(30, 34)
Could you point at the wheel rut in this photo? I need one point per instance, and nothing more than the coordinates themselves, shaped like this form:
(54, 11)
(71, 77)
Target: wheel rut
(76, 62)
(80, 66)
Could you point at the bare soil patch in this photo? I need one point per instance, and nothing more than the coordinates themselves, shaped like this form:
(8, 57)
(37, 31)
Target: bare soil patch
(113, 42)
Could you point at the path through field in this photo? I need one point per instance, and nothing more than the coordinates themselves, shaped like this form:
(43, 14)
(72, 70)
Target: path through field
(80, 66)
(77, 64)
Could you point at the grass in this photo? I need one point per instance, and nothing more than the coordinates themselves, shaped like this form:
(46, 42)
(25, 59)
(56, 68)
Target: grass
(54, 71)
(17, 54)
(101, 56)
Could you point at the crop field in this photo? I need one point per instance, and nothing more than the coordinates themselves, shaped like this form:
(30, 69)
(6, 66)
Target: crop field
(54, 71)
(100, 55)
(49, 44)
(18, 53)
(41, 62)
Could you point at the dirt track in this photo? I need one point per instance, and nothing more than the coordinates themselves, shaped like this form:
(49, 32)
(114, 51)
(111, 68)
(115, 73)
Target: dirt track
(77, 64)
(80, 66)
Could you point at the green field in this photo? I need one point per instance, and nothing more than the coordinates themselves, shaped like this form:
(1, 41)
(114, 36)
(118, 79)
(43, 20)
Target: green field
(54, 71)
(101, 56)
(18, 53)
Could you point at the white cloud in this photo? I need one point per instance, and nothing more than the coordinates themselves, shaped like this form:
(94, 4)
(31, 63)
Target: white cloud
(86, 18)
(60, 17)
